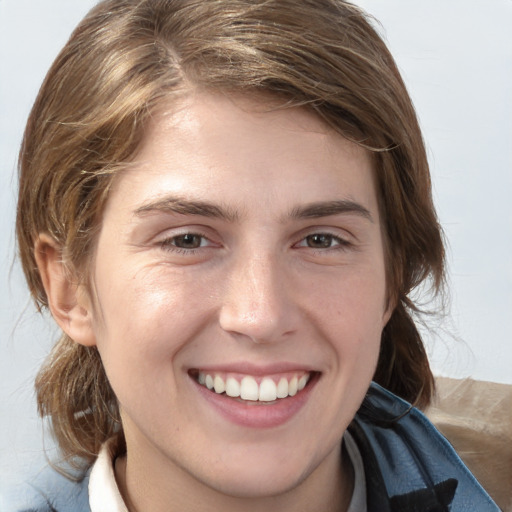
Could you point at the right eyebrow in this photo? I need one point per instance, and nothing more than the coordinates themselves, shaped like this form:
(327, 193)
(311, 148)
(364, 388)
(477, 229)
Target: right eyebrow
(327, 208)
(182, 206)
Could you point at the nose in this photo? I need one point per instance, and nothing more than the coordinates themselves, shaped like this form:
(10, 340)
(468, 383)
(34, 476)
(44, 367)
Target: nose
(257, 302)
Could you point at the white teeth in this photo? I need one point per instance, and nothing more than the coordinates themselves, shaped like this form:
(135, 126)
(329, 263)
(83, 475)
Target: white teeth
(302, 382)
(292, 387)
(282, 388)
(248, 388)
(268, 390)
(219, 385)
(232, 387)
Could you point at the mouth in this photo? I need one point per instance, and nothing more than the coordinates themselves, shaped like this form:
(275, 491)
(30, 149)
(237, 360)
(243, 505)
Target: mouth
(253, 398)
(267, 389)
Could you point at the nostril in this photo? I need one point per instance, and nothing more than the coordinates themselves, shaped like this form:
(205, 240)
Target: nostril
(260, 327)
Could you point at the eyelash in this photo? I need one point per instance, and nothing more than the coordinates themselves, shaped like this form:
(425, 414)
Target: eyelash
(341, 243)
(169, 244)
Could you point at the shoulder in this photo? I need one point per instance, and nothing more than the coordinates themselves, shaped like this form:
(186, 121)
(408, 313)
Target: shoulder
(406, 456)
(45, 491)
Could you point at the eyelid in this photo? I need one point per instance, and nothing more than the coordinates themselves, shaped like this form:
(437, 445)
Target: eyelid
(173, 240)
(344, 237)
(165, 238)
(339, 243)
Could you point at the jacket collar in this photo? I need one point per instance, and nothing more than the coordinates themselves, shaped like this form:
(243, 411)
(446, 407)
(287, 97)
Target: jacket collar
(435, 499)
(409, 465)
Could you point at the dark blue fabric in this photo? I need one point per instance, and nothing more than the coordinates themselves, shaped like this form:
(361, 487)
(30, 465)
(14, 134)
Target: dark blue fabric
(409, 467)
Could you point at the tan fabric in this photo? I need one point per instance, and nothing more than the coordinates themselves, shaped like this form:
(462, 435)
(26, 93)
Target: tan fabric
(476, 417)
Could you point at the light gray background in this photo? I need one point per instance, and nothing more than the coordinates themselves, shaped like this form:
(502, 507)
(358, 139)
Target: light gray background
(456, 58)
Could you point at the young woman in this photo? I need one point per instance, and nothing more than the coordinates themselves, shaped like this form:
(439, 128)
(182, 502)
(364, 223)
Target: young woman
(226, 205)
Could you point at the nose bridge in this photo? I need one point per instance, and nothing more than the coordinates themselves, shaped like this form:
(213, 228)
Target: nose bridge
(256, 303)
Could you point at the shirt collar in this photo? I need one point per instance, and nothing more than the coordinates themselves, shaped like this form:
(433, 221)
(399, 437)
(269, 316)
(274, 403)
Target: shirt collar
(104, 495)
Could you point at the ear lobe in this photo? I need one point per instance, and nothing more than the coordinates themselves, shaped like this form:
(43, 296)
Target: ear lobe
(388, 312)
(68, 301)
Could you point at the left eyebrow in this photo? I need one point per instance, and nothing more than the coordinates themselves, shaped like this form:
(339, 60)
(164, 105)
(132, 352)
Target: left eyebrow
(328, 208)
(182, 206)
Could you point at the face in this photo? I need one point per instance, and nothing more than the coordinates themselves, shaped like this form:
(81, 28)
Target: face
(240, 295)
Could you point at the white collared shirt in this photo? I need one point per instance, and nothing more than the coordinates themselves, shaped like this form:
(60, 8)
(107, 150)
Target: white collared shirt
(104, 495)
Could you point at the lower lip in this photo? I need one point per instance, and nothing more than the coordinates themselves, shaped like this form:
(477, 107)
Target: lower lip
(257, 414)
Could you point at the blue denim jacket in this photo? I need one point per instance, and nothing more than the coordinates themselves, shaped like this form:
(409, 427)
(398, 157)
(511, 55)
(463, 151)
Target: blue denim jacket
(409, 467)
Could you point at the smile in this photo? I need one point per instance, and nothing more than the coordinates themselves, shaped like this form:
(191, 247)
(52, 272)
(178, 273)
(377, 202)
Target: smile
(256, 389)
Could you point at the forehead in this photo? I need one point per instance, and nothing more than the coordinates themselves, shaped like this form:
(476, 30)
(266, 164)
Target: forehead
(239, 150)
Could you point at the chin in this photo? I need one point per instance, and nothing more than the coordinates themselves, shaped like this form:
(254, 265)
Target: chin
(258, 484)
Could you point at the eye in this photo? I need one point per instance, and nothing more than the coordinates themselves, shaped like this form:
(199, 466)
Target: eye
(322, 241)
(186, 241)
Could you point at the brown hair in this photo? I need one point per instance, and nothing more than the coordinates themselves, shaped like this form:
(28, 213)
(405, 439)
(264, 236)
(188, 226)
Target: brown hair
(128, 56)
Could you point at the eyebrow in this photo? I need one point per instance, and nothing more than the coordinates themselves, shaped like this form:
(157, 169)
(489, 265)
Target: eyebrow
(328, 208)
(184, 206)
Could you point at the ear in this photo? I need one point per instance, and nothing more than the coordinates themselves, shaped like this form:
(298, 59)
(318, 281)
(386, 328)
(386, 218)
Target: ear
(68, 301)
(387, 315)
(390, 306)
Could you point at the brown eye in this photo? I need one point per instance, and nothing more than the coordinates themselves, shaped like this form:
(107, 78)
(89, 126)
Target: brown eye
(188, 241)
(320, 241)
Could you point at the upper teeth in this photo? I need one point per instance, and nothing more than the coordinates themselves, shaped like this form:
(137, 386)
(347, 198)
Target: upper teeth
(248, 388)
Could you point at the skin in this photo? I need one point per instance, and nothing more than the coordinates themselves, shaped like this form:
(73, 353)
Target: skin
(266, 280)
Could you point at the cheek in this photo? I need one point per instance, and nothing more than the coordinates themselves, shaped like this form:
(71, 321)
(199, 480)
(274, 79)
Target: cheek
(355, 299)
(145, 298)
(146, 318)
(351, 312)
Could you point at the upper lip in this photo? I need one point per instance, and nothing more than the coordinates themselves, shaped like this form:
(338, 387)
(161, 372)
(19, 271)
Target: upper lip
(257, 370)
